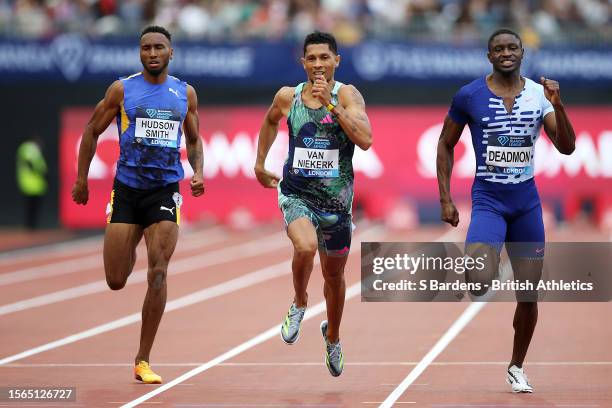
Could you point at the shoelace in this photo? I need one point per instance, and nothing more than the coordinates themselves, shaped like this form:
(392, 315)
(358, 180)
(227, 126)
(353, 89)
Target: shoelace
(293, 313)
(521, 376)
(334, 351)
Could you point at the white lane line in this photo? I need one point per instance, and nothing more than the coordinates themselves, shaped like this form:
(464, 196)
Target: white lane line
(318, 363)
(313, 311)
(177, 266)
(505, 269)
(465, 317)
(93, 261)
(250, 279)
(256, 405)
(70, 246)
(55, 249)
(196, 297)
(23, 404)
(519, 405)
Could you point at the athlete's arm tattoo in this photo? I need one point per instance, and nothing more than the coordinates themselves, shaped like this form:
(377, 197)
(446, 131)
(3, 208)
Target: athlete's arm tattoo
(196, 156)
(351, 115)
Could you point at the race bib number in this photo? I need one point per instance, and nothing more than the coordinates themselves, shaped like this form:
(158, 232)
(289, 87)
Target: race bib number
(500, 156)
(316, 162)
(157, 127)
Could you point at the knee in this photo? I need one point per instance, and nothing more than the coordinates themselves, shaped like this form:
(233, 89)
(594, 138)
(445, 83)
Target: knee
(115, 283)
(305, 250)
(479, 282)
(333, 275)
(156, 278)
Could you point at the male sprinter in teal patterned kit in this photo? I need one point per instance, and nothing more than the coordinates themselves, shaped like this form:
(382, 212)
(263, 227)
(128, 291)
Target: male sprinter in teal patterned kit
(326, 119)
(153, 109)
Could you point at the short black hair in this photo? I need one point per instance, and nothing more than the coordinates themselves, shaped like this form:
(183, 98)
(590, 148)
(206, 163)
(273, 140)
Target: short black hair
(321, 38)
(503, 31)
(157, 29)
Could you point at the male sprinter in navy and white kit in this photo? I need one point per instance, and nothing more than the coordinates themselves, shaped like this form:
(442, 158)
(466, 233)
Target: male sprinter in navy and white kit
(153, 109)
(505, 112)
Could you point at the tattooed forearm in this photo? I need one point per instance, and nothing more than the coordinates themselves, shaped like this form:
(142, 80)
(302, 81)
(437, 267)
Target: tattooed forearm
(195, 155)
(351, 116)
(357, 98)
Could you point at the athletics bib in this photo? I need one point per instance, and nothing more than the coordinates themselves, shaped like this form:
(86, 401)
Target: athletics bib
(157, 127)
(509, 156)
(316, 162)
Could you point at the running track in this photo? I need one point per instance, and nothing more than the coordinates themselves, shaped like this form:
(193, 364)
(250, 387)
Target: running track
(219, 338)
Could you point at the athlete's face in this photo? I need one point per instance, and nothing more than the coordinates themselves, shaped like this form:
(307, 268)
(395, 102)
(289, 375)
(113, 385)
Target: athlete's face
(505, 53)
(320, 60)
(155, 53)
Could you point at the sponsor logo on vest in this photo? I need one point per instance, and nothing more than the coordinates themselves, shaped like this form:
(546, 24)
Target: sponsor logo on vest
(327, 119)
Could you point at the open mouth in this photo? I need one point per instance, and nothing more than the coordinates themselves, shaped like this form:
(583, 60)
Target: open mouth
(507, 63)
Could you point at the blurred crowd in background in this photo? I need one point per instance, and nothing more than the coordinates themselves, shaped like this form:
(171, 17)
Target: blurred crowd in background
(583, 22)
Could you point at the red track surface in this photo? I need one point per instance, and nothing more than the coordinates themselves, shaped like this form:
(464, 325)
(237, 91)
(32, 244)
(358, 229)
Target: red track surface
(569, 363)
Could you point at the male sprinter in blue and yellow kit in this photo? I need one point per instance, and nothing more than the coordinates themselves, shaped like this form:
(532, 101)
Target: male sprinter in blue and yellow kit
(153, 109)
(326, 120)
(505, 112)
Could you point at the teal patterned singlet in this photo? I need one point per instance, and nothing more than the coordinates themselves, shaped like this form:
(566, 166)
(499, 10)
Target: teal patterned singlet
(319, 167)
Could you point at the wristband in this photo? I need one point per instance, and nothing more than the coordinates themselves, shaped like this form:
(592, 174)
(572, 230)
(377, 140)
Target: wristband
(330, 106)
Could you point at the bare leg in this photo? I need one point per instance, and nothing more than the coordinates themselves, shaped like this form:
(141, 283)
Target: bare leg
(161, 241)
(485, 275)
(304, 238)
(120, 241)
(334, 291)
(526, 313)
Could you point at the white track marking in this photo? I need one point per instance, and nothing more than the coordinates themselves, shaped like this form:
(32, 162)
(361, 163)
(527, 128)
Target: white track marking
(177, 266)
(462, 321)
(70, 246)
(313, 311)
(317, 364)
(87, 262)
(250, 279)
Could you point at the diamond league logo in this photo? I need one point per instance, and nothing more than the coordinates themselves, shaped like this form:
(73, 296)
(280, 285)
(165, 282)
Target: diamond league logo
(369, 60)
(152, 112)
(308, 141)
(503, 140)
(70, 52)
